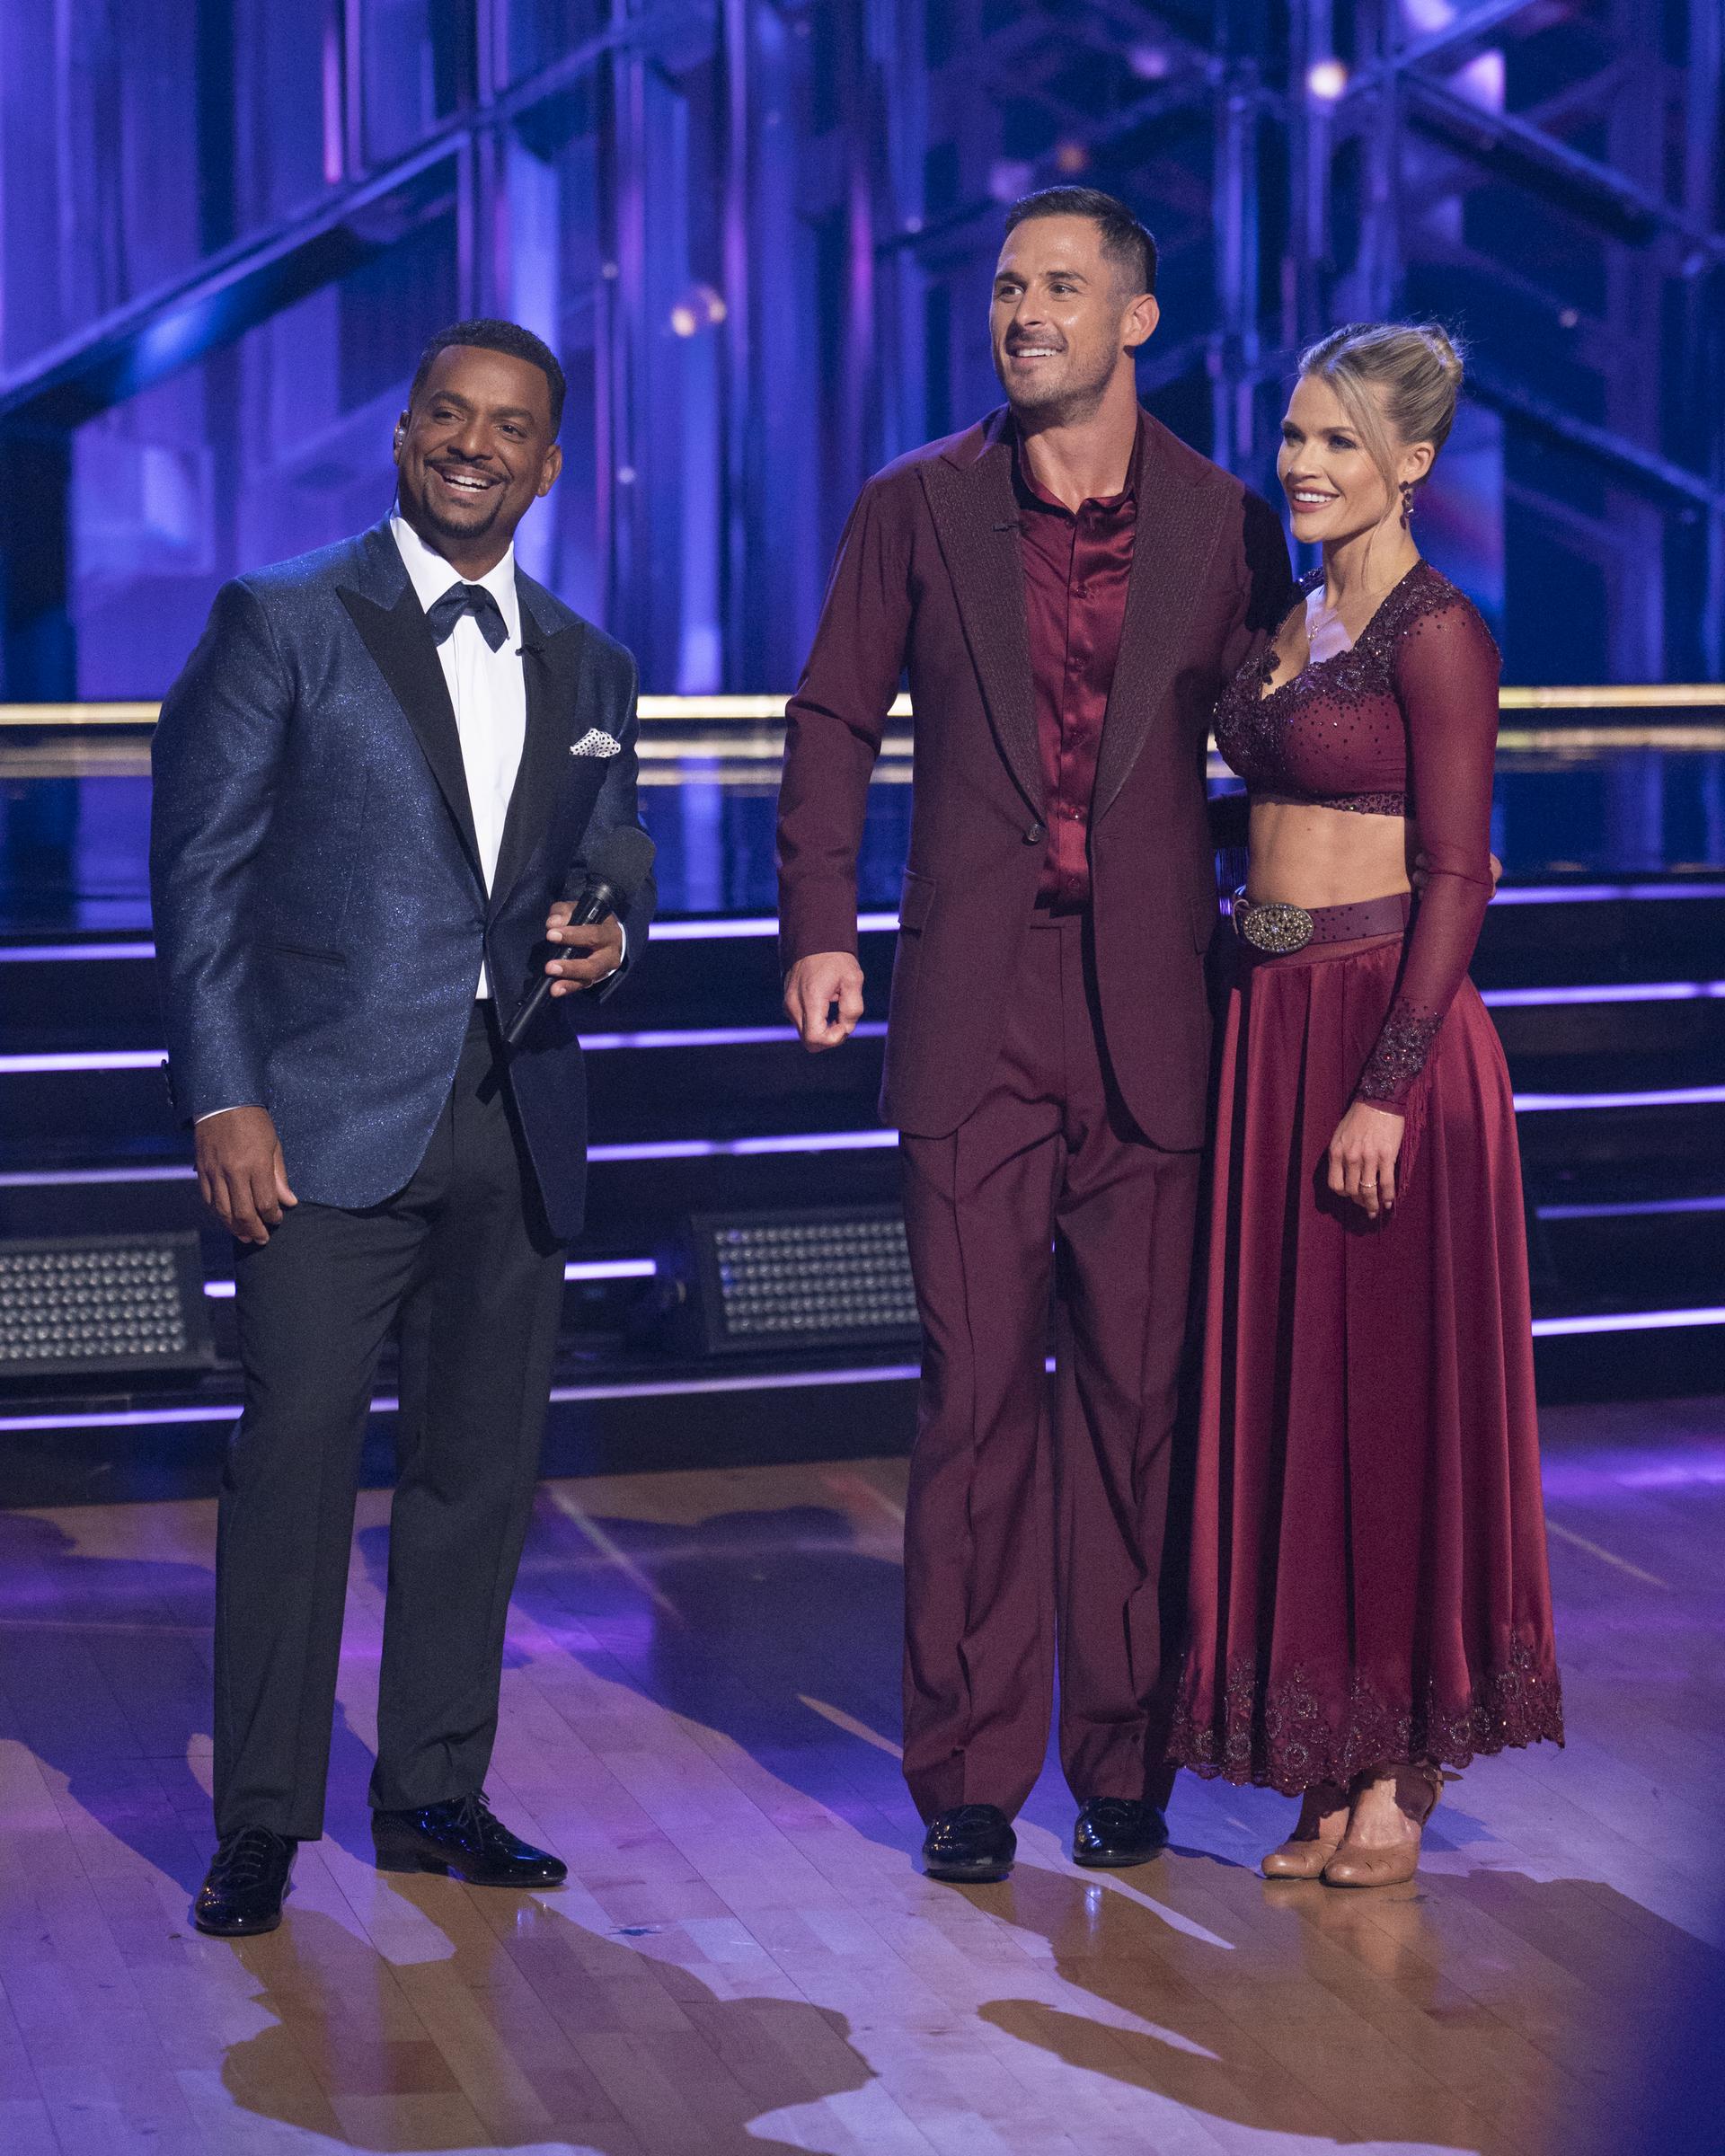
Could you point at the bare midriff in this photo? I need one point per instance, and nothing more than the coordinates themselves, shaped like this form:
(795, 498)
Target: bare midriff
(1308, 856)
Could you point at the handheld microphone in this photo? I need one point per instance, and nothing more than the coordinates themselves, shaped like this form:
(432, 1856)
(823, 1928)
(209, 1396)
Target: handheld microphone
(620, 865)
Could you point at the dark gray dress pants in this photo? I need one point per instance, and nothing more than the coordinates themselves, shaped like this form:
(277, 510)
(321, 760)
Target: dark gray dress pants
(462, 1256)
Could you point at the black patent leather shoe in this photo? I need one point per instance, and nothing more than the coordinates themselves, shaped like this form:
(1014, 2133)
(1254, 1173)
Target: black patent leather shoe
(465, 1839)
(1116, 1831)
(243, 1889)
(973, 1844)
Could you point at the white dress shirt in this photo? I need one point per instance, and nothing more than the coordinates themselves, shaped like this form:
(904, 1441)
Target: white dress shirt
(487, 688)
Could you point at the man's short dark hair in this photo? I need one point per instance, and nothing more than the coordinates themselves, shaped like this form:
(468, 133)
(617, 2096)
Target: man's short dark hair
(494, 336)
(1125, 243)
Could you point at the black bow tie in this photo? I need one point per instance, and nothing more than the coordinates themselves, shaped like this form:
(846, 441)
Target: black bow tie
(466, 599)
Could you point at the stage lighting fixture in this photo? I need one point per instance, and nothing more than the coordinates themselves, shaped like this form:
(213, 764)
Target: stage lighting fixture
(101, 1304)
(757, 1281)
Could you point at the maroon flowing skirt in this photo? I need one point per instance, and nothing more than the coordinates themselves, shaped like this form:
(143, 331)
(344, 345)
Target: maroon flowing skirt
(1368, 1581)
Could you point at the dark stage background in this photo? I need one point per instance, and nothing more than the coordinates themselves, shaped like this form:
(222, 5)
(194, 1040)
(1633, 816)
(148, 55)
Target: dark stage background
(760, 236)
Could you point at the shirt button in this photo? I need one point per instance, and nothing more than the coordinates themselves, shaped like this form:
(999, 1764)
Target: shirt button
(1035, 836)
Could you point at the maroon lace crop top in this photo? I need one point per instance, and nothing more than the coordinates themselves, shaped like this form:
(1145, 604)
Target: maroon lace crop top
(1404, 723)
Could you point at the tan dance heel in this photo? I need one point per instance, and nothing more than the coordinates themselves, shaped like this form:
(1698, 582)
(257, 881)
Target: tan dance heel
(1305, 1853)
(1417, 1791)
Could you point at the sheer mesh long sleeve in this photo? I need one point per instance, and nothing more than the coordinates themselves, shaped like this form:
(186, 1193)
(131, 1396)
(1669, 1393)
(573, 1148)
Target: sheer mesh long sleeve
(1445, 677)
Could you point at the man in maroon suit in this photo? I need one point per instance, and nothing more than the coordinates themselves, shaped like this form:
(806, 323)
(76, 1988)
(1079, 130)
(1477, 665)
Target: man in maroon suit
(1068, 586)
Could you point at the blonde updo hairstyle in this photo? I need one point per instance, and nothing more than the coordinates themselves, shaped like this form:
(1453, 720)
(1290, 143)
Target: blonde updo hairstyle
(1398, 383)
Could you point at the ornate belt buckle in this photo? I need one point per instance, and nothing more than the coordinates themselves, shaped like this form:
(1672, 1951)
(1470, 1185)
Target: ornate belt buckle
(1275, 927)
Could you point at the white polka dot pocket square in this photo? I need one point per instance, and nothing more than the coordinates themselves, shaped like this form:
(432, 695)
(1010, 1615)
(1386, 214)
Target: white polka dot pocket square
(595, 742)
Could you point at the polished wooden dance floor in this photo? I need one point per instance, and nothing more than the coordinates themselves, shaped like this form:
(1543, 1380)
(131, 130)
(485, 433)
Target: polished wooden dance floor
(699, 1711)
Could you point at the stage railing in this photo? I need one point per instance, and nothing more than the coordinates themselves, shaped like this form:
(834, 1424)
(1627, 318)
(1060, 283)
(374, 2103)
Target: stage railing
(739, 741)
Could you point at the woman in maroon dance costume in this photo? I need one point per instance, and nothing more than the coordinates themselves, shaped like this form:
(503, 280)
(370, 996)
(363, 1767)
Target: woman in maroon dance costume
(1369, 1599)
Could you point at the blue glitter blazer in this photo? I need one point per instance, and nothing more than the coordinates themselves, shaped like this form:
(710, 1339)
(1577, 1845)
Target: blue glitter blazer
(320, 911)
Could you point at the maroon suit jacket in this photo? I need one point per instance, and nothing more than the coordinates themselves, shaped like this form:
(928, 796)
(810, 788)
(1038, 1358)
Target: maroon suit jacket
(929, 579)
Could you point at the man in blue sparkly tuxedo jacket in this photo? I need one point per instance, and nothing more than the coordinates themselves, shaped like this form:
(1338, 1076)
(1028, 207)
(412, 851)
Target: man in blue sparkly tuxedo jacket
(374, 781)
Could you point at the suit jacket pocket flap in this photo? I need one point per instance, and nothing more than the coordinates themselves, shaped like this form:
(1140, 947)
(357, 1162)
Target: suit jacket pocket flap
(917, 902)
(306, 950)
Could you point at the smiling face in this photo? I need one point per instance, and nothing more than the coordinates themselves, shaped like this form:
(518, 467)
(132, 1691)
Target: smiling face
(1334, 488)
(1061, 324)
(474, 451)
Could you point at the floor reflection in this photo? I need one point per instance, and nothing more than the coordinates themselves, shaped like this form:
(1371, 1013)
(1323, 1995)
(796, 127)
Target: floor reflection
(1443, 2014)
(776, 1628)
(107, 1681)
(557, 2034)
(701, 1714)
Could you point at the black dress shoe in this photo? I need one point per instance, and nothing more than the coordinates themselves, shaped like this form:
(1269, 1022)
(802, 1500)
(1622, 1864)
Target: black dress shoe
(242, 1891)
(1115, 1831)
(466, 1840)
(973, 1844)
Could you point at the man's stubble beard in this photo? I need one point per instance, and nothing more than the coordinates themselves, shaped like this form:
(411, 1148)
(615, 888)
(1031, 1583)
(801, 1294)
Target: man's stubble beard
(1067, 406)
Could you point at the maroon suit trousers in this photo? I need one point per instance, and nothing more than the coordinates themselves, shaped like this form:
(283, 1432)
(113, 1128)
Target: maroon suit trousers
(1021, 1533)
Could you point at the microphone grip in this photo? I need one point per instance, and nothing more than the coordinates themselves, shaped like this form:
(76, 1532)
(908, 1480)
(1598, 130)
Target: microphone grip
(597, 902)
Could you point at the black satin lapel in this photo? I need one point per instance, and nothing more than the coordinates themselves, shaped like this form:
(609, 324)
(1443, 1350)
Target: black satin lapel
(975, 517)
(552, 669)
(1179, 528)
(400, 641)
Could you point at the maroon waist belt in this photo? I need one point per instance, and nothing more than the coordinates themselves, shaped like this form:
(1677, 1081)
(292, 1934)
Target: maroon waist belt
(1277, 929)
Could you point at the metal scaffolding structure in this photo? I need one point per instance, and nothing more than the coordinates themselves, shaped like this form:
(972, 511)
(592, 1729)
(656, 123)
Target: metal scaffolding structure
(761, 232)
(1541, 174)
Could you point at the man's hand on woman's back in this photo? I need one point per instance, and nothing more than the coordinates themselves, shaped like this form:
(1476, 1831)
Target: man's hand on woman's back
(1420, 874)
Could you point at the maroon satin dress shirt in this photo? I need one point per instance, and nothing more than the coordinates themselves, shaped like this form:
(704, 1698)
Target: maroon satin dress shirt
(1076, 568)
